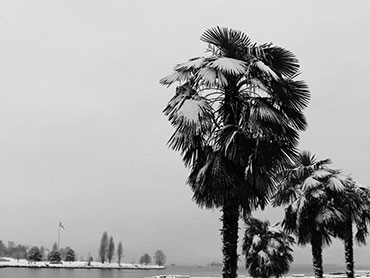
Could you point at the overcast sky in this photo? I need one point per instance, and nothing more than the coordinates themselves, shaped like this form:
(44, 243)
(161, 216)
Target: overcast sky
(83, 138)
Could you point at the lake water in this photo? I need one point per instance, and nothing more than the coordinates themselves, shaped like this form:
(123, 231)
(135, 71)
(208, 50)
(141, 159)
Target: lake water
(195, 271)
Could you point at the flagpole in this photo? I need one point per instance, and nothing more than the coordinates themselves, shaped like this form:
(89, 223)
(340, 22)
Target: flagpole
(58, 234)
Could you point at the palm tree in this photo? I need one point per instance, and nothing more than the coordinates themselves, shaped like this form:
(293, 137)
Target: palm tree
(355, 204)
(309, 189)
(236, 114)
(267, 249)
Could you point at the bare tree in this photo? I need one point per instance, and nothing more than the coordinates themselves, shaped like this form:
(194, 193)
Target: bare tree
(159, 257)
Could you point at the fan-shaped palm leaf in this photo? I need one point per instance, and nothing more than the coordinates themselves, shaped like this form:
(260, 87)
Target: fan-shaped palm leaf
(335, 184)
(228, 41)
(191, 65)
(211, 77)
(282, 61)
(310, 183)
(175, 76)
(229, 66)
(321, 174)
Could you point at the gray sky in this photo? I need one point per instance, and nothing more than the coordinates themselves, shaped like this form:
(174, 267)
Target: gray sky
(83, 139)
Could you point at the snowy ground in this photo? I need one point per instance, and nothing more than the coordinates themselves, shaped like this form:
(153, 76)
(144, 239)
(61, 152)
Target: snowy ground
(10, 262)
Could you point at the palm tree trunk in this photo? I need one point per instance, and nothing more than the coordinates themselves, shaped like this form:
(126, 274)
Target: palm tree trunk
(229, 232)
(317, 255)
(348, 250)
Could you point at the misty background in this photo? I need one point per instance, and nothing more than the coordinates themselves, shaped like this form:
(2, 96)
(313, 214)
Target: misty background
(83, 137)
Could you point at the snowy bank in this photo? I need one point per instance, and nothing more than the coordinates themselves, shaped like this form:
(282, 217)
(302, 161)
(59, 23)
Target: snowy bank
(358, 274)
(10, 262)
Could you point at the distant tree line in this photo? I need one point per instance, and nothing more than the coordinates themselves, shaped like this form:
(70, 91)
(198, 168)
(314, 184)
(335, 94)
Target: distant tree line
(12, 250)
(35, 254)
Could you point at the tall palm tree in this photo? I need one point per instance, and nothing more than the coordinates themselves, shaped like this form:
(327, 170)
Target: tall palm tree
(236, 114)
(267, 249)
(309, 189)
(355, 204)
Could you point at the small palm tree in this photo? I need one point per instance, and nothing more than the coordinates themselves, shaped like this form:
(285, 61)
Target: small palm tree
(355, 204)
(308, 190)
(236, 114)
(267, 249)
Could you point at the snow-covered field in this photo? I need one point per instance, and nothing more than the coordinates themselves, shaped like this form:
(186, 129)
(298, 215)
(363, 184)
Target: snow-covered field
(10, 262)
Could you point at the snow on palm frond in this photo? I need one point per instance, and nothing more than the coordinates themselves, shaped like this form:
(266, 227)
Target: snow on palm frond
(345, 179)
(258, 83)
(329, 216)
(266, 69)
(335, 184)
(192, 64)
(317, 193)
(273, 229)
(301, 204)
(321, 174)
(211, 77)
(256, 240)
(310, 183)
(229, 65)
(362, 186)
(274, 242)
(190, 113)
(263, 257)
(175, 76)
(192, 116)
(271, 249)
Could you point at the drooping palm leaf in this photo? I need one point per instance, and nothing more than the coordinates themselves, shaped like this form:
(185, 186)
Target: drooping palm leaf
(282, 60)
(175, 76)
(191, 65)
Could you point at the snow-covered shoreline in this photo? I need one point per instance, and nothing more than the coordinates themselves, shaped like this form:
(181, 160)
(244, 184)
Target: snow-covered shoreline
(22, 263)
(10, 262)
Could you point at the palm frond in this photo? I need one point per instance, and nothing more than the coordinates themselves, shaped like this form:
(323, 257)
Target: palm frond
(214, 184)
(230, 42)
(292, 93)
(265, 112)
(192, 64)
(211, 77)
(328, 216)
(259, 84)
(321, 174)
(229, 65)
(176, 76)
(282, 61)
(295, 117)
(310, 183)
(335, 184)
(266, 69)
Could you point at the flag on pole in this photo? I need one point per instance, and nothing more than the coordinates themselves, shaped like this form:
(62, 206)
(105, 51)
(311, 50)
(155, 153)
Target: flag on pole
(61, 225)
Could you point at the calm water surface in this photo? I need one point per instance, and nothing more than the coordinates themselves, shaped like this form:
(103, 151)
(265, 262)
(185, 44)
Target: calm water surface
(203, 271)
